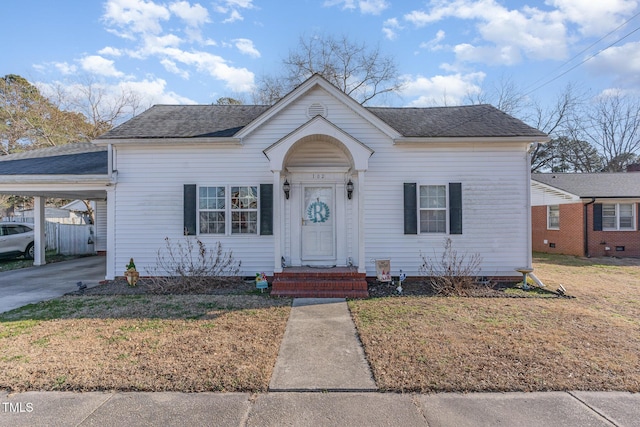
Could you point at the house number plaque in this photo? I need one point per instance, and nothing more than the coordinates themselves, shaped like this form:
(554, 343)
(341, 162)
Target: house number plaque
(317, 176)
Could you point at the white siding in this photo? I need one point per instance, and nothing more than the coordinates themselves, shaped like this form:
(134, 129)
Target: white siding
(494, 181)
(149, 200)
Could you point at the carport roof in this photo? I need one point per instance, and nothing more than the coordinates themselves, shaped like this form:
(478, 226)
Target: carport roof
(69, 159)
(71, 171)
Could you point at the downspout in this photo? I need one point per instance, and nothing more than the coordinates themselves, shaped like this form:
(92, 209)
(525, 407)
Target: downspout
(586, 227)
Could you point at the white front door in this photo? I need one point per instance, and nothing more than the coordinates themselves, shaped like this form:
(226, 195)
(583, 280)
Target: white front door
(318, 225)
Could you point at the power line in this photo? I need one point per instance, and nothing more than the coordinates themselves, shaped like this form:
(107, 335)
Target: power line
(587, 48)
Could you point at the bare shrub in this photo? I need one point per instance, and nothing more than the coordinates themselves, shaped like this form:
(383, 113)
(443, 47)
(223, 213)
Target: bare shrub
(188, 266)
(451, 273)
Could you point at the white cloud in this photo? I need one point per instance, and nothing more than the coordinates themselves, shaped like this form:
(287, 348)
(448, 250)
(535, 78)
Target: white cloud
(153, 92)
(371, 7)
(110, 51)
(621, 62)
(434, 43)
(246, 47)
(595, 18)
(194, 16)
(233, 7)
(509, 34)
(236, 79)
(135, 16)
(173, 68)
(65, 68)
(233, 17)
(451, 89)
(100, 66)
(390, 27)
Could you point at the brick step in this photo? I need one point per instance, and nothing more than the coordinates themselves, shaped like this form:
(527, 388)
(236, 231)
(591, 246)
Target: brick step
(339, 283)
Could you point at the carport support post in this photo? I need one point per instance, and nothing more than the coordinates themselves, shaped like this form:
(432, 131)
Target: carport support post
(38, 231)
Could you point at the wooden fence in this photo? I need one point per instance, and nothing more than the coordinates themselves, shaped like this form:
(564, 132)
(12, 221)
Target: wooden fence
(70, 239)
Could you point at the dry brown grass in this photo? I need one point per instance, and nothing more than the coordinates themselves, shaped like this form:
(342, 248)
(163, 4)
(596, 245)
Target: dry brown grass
(143, 342)
(592, 342)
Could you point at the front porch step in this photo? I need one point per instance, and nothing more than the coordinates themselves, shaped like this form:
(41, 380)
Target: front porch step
(337, 282)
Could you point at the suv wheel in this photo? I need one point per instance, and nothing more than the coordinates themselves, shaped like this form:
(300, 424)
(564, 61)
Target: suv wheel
(28, 254)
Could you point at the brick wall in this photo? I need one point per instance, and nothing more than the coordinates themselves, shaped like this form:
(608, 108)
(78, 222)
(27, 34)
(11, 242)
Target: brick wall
(599, 241)
(567, 240)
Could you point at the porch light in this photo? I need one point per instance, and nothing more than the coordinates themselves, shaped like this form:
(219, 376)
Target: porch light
(349, 189)
(286, 187)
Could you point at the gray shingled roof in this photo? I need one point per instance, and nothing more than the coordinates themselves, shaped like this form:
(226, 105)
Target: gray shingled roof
(187, 121)
(69, 159)
(600, 185)
(465, 121)
(192, 121)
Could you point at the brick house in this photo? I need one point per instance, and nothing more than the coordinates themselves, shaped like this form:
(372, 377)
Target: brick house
(588, 214)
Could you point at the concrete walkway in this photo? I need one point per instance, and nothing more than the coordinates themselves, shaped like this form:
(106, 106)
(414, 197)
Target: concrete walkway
(321, 350)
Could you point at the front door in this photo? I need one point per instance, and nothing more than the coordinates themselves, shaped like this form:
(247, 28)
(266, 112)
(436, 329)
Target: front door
(318, 225)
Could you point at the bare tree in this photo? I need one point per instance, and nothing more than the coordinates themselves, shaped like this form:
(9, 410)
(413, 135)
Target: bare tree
(359, 71)
(505, 95)
(559, 120)
(103, 107)
(613, 126)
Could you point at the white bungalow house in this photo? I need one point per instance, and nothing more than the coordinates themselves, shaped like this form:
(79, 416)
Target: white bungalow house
(317, 180)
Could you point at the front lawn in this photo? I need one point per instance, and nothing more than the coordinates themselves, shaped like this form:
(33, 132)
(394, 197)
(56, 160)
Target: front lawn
(592, 342)
(142, 342)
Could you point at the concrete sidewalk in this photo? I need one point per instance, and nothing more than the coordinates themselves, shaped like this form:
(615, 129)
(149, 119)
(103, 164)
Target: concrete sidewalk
(321, 352)
(574, 409)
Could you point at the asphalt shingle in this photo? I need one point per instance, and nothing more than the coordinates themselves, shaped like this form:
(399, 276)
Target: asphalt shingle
(193, 121)
(599, 185)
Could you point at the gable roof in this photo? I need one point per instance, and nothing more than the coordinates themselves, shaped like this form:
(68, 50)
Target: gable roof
(82, 158)
(200, 121)
(236, 121)
(598, 185)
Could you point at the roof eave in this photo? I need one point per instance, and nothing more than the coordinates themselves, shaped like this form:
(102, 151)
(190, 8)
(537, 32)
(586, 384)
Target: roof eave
(169, 141)
(95, 179)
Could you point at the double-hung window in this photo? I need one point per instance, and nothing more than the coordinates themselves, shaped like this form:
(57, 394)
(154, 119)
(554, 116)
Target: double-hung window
(618, 216)
(553, 217)
(212, 204)
(433, 209)
(244, 210)
(233, 208)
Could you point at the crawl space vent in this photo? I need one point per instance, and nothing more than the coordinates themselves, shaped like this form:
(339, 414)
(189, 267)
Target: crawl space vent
(316, 110)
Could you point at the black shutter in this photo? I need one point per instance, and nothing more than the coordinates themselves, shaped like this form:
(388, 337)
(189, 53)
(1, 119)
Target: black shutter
(266, 209)
(189, 206)
(410, 208)
(597, 217)
(455, 208)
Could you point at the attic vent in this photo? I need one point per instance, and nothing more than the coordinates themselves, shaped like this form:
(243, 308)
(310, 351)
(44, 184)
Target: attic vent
(316, 109)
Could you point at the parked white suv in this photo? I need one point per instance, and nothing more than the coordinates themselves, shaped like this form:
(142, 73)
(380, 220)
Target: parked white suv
(16, 239)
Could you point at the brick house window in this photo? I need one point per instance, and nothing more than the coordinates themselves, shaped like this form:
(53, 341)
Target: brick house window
(553, 217)
(618, 216)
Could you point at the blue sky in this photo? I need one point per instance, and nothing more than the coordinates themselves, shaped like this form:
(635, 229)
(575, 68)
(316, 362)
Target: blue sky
(176, 52)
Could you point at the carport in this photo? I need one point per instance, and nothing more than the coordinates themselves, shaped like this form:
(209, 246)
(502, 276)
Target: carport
(71, 171)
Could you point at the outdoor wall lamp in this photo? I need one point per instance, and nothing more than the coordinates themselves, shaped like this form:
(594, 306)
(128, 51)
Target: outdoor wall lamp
(349, 189)
(286, 187)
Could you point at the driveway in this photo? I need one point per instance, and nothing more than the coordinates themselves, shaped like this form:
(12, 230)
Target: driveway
(34, 284)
